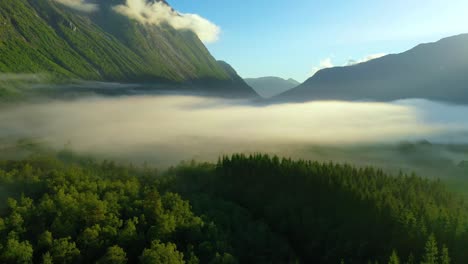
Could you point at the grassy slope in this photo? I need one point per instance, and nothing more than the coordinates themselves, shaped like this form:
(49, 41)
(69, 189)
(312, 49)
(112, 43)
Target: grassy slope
(42, 36)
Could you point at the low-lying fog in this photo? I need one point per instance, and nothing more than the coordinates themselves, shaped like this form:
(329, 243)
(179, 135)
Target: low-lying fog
(167, 129)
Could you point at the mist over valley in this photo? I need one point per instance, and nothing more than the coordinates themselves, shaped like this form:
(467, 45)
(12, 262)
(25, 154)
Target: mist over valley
(130, 133)
(164, 129)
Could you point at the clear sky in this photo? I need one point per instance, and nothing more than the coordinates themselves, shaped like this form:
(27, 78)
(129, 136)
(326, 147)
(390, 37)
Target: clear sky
(290, 39)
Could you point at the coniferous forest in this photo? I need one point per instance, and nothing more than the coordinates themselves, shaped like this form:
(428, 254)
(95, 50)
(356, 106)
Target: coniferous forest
(100, 100)
(64, 208)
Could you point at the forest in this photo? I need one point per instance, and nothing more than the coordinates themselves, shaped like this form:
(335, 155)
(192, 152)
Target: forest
(65, 208)
(120, 124)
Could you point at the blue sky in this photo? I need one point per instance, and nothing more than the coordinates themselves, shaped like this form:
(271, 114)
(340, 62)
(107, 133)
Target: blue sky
(290, 38)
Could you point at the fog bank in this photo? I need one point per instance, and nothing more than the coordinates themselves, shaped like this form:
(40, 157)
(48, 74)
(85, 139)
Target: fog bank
(167, 129)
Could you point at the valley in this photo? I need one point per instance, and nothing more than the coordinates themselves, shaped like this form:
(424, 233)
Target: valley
(130, 133)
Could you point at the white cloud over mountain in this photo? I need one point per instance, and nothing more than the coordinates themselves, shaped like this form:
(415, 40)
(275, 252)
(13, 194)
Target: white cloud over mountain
(324, 64)
(328, 63)
(366, 59)
(156, 13)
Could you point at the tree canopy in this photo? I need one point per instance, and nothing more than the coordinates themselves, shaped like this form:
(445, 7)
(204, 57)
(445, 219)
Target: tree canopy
(243, 209)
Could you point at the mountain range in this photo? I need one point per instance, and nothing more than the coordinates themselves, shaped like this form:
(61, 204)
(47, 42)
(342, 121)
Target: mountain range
(45, 36)
(48, 37)
(435, 71)
(271, 86)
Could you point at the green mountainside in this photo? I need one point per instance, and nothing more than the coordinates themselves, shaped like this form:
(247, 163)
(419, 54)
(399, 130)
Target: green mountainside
(42, 36)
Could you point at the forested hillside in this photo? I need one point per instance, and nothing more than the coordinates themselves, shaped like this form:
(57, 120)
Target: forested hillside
(45, 37)
(256, 209)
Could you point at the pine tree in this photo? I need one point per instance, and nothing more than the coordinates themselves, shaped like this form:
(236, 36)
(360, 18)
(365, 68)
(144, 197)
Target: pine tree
(114, 255)
(431, 251)
(47, 258)
(444, 256)
(394, 259)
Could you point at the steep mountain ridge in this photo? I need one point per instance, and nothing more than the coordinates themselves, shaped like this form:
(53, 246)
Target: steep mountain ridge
(43, 36)
(435, 71)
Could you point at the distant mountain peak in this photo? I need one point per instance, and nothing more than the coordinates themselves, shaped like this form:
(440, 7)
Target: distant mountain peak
(433, 71)
(270, 86)
(293, 81)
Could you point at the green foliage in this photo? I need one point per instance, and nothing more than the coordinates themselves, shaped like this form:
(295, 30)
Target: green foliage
(45, 240)
(41, 36)
(255, 209)
(444, 257)
(431, 253)
(47, 258)
(114, 255)
(394, 259)
(226, 258)
(17, 252)
(160, 253)
(328, 212)
(411, 259)
(64, 251)
(84, 212)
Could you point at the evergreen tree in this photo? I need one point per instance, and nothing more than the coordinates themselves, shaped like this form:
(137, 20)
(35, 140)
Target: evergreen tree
(64, 251)
(253, 209)
(47, 258)
(444, 257)
(160, 253)
(394, 259)
(411, 259)
(114, 255)
(17, 252)
(431, 251)
(225, 258)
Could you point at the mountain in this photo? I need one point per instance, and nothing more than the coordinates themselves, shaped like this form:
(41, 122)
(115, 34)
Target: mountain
(271, 86)
(44, 36)
(434, 71)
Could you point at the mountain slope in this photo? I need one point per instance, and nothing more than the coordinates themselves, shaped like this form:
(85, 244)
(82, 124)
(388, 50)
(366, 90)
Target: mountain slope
(435, 71)
(271, 86)
(42, 36)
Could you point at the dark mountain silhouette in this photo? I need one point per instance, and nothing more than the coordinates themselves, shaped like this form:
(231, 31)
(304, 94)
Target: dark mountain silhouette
(434, 71)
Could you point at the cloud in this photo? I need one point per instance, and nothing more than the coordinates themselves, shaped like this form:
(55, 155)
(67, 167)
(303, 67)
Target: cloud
(365, 59)
(324, 64)
(79, 5)
(156, 13)
(327, 63)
